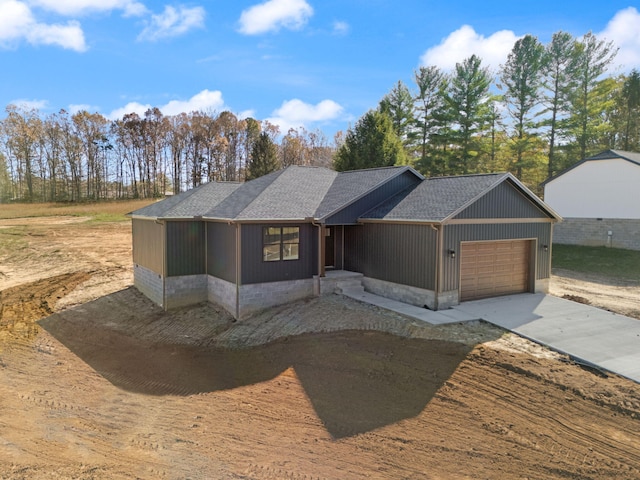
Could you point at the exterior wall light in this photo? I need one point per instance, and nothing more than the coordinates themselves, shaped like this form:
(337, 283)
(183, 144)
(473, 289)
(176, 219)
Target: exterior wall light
(452, 253)
(545, 248)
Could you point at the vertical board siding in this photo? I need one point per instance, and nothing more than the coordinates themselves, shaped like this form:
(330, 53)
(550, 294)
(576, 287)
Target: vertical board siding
(351, 213)
(221, 251)
(255, 270)
(504, 201)
(395, 253)
(455, 234)
(185, 248)
(339, 239)
(147, 241)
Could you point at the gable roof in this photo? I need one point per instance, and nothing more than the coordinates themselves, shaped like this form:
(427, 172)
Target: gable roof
(352, 185)
(439, 199)
(632, 157)
(299, 193)
(192, 203)
(294, 193)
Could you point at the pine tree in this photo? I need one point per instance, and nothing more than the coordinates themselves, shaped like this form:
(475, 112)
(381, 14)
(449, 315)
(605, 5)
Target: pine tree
(468, 113)
(263, 158)
(521, 80)
(372, 143)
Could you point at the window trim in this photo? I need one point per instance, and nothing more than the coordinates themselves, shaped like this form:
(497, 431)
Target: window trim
(282, 242)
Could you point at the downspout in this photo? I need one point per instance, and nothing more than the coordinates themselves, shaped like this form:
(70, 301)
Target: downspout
(438, 265)
(321, 271)
(164, 265)
(238, 268)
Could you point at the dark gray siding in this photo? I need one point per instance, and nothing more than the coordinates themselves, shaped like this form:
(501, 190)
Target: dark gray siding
(255, 270)
(147, 239)
(504, 201)
(351, 213)
(221, 251)
(403, 254)
(185, 248)
(454, 234)
(339, 242)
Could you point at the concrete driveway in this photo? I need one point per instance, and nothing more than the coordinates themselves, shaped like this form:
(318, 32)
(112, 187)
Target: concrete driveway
(589, 334)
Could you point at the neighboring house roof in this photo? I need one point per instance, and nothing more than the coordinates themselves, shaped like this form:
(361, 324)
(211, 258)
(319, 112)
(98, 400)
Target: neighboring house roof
(632, 157)
(303, 193)
(438, 199)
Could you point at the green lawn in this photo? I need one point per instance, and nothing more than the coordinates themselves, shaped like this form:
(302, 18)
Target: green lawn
(612, 262)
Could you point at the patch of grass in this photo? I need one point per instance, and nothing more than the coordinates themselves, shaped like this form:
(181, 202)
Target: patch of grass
(611, 262)
(12, 240)
(99, 211)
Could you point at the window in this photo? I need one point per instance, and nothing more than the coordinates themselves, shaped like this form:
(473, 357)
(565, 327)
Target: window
(280, 243)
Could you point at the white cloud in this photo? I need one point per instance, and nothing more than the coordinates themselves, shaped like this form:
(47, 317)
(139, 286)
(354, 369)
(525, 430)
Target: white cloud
(69, 36)
(296, 113)
(29, 104)
(464, 42)
(81, 7)
(173, 22)
(17, 23)
(206, 100)
(340, 28)
(273, 15)
(624, 30)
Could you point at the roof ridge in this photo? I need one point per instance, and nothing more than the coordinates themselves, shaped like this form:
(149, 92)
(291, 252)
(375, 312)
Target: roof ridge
(468, 175)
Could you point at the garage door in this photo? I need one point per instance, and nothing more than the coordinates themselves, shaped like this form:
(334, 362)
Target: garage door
(490, 269)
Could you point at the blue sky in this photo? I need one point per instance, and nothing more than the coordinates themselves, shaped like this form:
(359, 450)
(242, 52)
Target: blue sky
(311, 63)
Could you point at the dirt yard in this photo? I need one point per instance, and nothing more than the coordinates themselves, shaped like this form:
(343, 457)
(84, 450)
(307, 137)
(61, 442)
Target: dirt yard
(97, 382)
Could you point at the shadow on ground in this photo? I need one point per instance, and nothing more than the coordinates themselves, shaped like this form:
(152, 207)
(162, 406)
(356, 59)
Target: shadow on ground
(356, 380)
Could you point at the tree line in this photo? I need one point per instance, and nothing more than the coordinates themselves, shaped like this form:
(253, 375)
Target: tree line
(547, 107)
(85, 156)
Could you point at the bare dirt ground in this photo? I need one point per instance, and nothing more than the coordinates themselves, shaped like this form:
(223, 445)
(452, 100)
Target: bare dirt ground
(111, 386)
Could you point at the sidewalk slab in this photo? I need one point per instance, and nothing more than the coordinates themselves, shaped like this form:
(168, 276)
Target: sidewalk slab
(440, 317)
(591, 335)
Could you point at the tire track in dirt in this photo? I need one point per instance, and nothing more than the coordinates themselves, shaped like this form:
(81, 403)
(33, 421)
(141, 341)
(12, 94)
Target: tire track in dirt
(22, 306)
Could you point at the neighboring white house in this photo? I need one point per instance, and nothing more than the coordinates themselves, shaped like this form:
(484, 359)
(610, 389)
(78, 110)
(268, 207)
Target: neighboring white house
(599, 199)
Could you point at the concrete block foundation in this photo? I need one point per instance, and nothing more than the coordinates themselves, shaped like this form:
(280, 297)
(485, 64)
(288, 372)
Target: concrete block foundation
(598, 232)
(149, 283)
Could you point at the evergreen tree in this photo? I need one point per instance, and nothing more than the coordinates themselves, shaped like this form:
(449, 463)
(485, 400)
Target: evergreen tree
(592, 56)
(372, 143)
(558, 71)
(429, 118)
(521, 80)
(398, 105)
(631, 110)
(468, 113)
(263, 158)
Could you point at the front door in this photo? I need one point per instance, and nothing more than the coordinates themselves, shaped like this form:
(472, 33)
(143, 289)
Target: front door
(329, 247)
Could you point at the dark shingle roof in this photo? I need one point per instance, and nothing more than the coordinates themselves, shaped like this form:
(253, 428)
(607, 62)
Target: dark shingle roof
(192, 203)
(295, 194)
(435, 199)
(299, 193)
(351, 185)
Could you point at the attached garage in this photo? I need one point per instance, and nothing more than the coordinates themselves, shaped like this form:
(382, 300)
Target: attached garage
(490, 269)
(455, 239)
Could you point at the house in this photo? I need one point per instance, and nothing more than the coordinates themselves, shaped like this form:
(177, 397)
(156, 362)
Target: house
(281, 237)
(599, 200)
